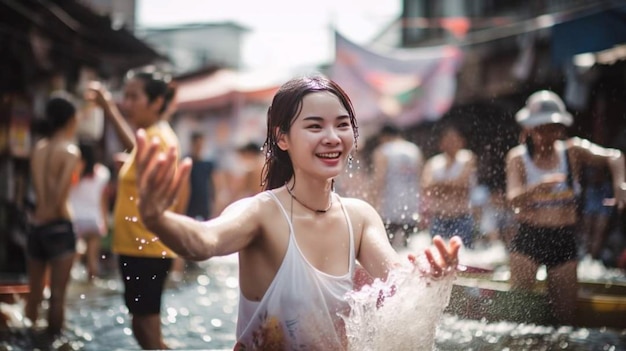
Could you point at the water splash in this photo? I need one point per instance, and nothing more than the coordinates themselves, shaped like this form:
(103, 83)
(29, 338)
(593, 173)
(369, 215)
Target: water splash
(399, 314)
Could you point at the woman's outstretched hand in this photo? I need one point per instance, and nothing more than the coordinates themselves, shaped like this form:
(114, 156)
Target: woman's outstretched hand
(445, 260)
(159, 178)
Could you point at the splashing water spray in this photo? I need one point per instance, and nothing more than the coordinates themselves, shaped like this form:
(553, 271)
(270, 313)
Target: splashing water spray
(401, 313)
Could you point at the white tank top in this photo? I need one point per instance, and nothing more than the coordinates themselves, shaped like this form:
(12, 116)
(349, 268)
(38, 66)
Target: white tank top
(86, 196)
(400, 200)
(300, 309)
(440, 170)
(561, 194)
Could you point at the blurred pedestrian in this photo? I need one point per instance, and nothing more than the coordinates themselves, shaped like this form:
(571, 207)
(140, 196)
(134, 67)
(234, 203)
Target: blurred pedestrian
(202, 184)
(249, 174)
(51, 244)
(596, 211)
(543, 185)
(144, 260)
(397, 169)
(447, 183)
(90, 206)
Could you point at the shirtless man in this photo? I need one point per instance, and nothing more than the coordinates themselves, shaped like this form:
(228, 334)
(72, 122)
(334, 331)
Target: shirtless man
(447, 181)
(52, 243)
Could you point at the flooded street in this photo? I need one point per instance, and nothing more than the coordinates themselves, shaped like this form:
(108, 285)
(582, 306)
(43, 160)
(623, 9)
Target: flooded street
(200, 312)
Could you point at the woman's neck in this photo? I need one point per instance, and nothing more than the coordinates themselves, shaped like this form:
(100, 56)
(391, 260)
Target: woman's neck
(314, 195)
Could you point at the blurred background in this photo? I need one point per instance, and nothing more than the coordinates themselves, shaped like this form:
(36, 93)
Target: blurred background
(412, 63)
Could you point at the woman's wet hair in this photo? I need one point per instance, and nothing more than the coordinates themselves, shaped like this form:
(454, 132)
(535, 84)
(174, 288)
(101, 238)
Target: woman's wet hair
(155, 85)
(285, 107)
(60, 110)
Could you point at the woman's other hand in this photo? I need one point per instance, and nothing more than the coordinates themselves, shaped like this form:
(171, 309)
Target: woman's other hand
(443, 258)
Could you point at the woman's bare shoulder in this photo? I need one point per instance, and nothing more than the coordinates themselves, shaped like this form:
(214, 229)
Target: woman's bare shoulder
(259, 204)
(515, 152)
(358, 208)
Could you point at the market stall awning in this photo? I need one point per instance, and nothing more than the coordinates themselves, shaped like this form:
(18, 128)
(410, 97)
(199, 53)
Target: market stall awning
(594, 32)
(75, 33)
(225, 86)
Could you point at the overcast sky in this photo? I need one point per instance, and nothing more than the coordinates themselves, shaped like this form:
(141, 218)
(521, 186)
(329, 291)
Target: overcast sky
(284, 33)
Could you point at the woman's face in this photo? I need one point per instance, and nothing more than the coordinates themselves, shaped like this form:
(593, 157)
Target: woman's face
(451, 141)
(136, 106)
(547, 134)
(321, 136)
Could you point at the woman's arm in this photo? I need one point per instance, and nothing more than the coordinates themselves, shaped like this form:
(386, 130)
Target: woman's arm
(594, 154)
(159, 181)
(374, 253)
(103, 98)
(378, 258)
(516, 192)
(228, 233)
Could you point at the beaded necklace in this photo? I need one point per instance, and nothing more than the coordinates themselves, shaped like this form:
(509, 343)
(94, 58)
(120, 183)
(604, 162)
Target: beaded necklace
(293, 197)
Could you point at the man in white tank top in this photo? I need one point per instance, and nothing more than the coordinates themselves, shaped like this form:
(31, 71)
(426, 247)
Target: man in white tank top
(397, 167)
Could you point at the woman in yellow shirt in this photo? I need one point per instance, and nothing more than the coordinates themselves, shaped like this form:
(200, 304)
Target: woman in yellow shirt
(144, 261)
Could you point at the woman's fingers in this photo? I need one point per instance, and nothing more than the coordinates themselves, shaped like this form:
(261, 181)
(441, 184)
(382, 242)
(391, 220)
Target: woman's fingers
(181, 176)
(447, 257)
(164, 170)
(435, 268)
(145, 155)
(159, 178)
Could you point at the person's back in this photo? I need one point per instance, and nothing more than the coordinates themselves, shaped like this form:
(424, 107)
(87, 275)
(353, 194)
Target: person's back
(397, 170)
(52, 243)
(50, 160)
(401, 192)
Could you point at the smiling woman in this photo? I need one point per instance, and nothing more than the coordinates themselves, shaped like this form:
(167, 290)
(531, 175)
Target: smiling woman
(299, 242)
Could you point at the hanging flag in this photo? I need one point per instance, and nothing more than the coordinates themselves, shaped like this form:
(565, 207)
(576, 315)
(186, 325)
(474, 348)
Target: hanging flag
(406, 86)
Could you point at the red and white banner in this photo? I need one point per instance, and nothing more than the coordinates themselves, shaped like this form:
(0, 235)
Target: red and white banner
(407, 86)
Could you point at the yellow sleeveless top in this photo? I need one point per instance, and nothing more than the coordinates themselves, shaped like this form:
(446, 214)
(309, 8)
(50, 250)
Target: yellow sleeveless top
(130, 236)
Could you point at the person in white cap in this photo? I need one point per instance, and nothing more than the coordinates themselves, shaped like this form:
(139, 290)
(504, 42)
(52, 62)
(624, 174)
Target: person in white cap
(542, 187)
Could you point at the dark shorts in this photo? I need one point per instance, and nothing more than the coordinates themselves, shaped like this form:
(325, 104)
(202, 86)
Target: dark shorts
(549, 246)
(51, 241)
(144, 280)
(462, 226)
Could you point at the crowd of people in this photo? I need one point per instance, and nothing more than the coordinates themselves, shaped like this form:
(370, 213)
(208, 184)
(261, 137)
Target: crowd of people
(287, 210)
